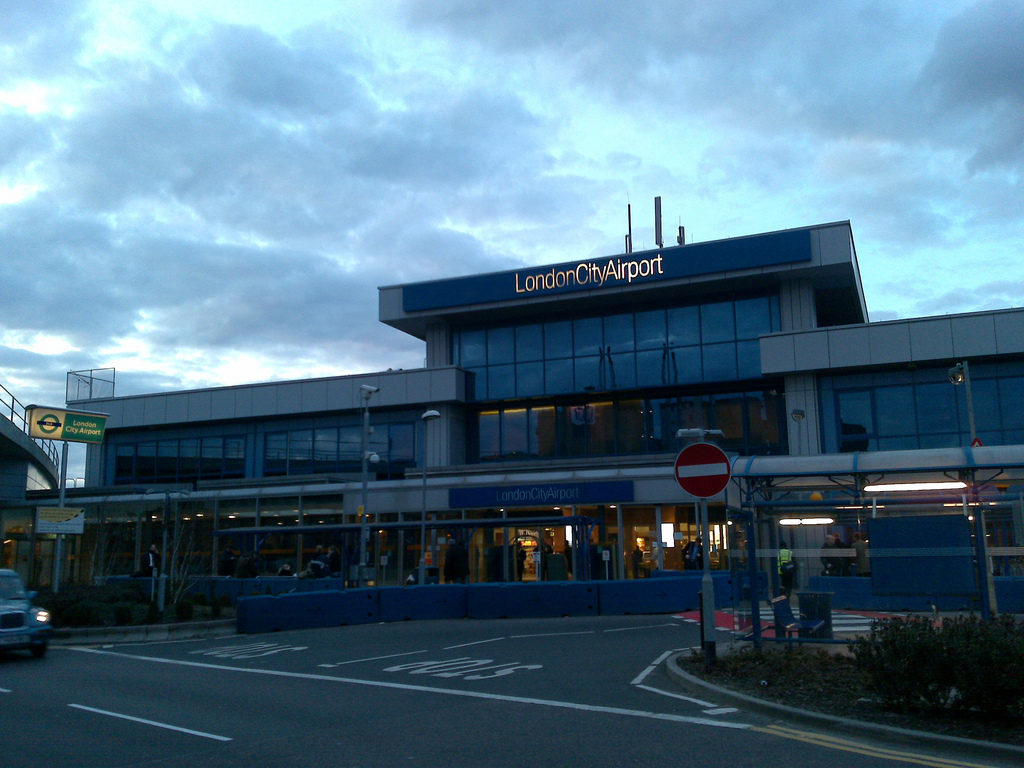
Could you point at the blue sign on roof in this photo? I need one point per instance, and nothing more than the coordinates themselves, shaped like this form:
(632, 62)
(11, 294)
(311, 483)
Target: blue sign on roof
(617, 271)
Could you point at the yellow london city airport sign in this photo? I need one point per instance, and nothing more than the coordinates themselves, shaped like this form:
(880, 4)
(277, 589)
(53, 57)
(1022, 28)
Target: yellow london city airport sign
(60, 424)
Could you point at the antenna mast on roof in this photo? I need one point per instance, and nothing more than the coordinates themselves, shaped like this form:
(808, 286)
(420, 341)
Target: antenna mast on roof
(657, 223)
(629, 226)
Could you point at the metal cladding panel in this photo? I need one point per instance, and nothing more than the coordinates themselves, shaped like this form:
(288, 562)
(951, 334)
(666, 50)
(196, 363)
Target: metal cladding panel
(890, 343)
(849, 347)
(645, 267)
(931, 339)
(973, 335)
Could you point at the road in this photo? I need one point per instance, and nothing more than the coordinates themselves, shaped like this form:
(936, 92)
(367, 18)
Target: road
(554, 692)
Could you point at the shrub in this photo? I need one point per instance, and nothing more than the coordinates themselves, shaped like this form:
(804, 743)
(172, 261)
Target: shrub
(215, 610)
(123, 614)
(153, 613)
(964, 663)
(183, 610)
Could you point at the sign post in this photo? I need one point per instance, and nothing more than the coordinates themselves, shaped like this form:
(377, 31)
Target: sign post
(47, 423)
(703, 470)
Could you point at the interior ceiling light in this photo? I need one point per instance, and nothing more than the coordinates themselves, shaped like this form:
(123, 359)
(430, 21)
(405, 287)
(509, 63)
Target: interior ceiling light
(946, 485)
(806, 521)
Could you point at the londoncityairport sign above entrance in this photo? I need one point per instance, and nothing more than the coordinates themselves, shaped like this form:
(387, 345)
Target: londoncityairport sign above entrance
(616, 272)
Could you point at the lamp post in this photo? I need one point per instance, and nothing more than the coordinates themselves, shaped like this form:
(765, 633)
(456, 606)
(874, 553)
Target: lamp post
(427, 417)
(961, 374)
(367, 391)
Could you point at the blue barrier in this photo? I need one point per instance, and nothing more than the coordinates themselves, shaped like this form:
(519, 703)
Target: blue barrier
(423, 602)
(546, 599)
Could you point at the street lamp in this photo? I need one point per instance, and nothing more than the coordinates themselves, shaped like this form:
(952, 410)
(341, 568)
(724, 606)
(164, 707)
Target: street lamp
(427, 417)
(367, 391)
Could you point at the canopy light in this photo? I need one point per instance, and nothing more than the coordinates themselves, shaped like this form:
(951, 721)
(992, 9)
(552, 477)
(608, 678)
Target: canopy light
(946, 485)
(806, 521)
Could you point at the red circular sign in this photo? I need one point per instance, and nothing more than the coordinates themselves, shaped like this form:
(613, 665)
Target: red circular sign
(703, 470)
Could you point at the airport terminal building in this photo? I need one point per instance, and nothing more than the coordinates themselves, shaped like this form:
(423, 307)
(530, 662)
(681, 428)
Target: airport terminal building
(558, 392)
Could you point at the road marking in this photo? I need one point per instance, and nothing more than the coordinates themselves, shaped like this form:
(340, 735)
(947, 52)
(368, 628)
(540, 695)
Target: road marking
(649, 626)
(552, 634)
(834, 742)
(151, 722)
(463, 666)
(651, 667)
(477, 642)
(251, 651)
(428, 689)
(5, 690)
(371, 658)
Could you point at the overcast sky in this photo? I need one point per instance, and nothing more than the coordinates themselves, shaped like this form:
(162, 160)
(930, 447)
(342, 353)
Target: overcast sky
(207, 193)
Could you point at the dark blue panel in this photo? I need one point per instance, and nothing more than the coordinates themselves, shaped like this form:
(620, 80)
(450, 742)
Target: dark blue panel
(616, 271)
(927, 555)
(547, 493)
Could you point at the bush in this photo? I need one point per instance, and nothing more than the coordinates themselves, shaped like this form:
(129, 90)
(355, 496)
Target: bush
(964, 663)
(153, 614)
(215, 610)
(183, 610)
(123, 614)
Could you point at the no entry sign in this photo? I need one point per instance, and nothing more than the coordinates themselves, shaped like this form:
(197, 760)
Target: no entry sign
(703, 470)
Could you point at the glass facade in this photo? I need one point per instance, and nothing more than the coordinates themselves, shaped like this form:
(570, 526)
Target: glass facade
(713, 342)
(905, 410)
(339, 450)
(179, 460)
(752, 422)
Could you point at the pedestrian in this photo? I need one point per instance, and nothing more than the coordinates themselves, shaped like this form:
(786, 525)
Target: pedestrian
(861, 559)
(456, 563)
(787, 568)
(151, 562)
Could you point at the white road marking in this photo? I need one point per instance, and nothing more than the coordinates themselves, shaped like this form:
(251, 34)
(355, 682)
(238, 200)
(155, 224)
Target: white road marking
(698, 702)
(5, 690)
(552, 634)
(648, 626)
(371, 658)
(428, 689)
(651, 667)
(477, 642)
(151, 722)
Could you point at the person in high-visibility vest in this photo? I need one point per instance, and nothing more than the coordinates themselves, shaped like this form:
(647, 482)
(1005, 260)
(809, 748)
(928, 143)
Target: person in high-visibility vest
(787, 568)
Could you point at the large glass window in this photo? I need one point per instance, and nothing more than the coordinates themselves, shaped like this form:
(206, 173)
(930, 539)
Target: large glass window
(650, 330)
(896, 412)
(515, 440)
(529, 343)
(490, 435)
(588, 338)
(501, 347)
(717, 322)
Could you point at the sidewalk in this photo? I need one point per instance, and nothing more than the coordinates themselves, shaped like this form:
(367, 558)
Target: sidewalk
(194, 630)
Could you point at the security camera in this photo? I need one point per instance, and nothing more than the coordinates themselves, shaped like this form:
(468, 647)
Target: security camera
(956, 374)
(368, 389)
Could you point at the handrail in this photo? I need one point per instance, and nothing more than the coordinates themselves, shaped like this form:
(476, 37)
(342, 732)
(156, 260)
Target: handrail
(14, 411)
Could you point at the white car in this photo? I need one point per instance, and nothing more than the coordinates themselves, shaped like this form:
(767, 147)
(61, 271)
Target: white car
(23, 626)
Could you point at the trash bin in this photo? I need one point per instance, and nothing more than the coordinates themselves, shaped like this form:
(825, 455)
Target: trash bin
(816, 606)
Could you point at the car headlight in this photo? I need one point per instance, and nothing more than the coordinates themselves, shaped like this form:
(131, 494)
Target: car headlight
(43, 616)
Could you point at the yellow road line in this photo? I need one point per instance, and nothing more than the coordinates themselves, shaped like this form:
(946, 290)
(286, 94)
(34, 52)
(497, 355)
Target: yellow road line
(845, 745)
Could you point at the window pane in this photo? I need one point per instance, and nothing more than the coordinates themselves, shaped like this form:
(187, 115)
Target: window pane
(477, 384)
(401, 443)
(618, 333)
(234, 457)
(529, 343)
(490, 435)
(572, 429)
(683, 326)
(473, 349)
(895, 409)
(748, 359)
(601, 429)
(630, 433)
(325, 450)
(501, 346)
(300, 451)
(762, 421)
(558, 376)
(542, 432)
(985, 397)
(167, 460)
(529, 379)
(557, 340)
(1011, 403)
(188, 459)
(936, 409)
(684, 366)
(587, 336)
(514, 434)
(753, 317)
(650, 330)
(719, 362)
(212, 459)
(501, 382)
(589, 372)
(124, 463)
(728, 417)
(622, 371)
(855, 413)
(716, 322)
(652, 368)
